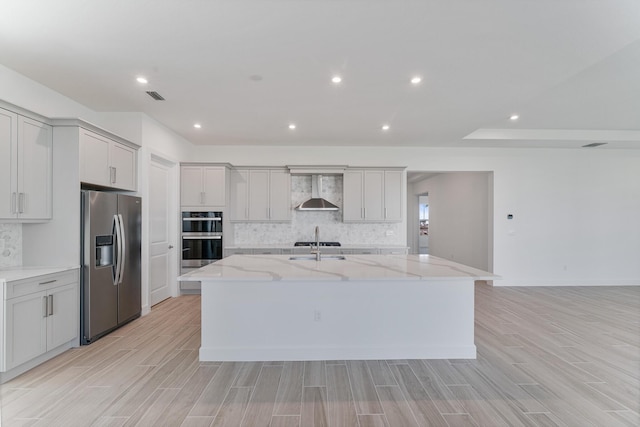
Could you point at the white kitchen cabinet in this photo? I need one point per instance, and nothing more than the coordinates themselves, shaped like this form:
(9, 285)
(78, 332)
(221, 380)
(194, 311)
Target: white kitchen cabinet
(107, 163)
(41, 315)
(239, 197)
(279, 195)
(26, 168)
(394, 185)
(261, 195)
(372, 195)
(202, 186)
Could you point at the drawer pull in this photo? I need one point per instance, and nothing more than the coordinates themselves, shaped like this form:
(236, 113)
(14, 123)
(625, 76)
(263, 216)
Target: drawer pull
(47, 282)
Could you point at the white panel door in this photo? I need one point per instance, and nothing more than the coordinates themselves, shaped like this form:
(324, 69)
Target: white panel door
(159, 237)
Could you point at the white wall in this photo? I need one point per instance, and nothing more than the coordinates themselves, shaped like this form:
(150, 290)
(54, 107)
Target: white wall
(459, 215)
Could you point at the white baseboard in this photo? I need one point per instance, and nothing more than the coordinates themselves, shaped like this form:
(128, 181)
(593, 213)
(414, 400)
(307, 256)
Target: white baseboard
(213, 354)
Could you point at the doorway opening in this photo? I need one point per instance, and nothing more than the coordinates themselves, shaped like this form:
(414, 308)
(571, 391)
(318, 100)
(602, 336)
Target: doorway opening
(423, 224)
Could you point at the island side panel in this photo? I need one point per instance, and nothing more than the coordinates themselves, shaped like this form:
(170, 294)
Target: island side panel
(322, 320)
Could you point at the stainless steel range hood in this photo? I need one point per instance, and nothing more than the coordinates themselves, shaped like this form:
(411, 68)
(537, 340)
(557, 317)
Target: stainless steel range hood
(316, 202)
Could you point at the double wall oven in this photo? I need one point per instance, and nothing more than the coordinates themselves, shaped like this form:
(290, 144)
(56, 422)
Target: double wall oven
(201, 239)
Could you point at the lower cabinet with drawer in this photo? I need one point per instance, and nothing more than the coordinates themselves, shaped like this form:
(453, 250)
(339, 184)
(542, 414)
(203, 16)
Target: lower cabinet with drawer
(40, 320)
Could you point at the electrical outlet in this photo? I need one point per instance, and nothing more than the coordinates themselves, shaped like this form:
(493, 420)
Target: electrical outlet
(317, 315)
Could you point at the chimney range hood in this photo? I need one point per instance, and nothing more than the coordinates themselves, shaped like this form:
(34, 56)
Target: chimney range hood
(316, 202)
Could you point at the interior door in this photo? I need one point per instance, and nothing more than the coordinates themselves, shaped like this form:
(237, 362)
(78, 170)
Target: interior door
(159, 231)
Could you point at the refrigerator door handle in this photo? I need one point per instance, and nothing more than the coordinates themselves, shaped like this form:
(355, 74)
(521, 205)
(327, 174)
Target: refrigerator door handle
(122, 260)
(116, 225)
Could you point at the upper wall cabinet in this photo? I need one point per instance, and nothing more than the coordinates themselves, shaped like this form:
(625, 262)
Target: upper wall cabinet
(373, 195)
(107, 163)
(202, 186)
(262, 195)
(26, 161)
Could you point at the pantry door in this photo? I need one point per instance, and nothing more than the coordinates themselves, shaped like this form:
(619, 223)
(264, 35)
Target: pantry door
(162, 250)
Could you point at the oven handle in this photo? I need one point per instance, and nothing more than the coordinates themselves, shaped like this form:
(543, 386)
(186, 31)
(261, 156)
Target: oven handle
(201, 237)
(202, 219)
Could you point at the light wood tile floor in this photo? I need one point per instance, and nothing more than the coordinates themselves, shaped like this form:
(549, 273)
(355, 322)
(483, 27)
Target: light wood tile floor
(546, 357)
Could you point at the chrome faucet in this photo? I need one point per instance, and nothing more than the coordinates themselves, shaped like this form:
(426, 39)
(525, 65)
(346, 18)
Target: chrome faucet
(316, 251)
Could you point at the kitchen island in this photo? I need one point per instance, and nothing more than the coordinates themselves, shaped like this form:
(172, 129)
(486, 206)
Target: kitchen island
(273, 307)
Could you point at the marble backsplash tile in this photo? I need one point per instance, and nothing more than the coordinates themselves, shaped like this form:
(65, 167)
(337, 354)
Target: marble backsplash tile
(302, 225)
(10, 245)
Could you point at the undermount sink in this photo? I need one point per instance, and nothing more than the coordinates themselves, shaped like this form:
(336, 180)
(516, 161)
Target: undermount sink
(313, 257)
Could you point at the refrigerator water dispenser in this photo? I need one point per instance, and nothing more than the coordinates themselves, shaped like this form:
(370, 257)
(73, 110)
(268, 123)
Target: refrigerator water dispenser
(104, 250)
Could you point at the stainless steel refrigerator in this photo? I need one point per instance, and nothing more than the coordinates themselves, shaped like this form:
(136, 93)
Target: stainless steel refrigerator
(110, 294)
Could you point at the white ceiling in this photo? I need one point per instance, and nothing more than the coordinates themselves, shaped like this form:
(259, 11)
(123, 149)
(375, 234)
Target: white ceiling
(569, 68)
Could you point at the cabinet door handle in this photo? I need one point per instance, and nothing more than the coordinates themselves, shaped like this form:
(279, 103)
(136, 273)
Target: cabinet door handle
(21, 203)
(268, 212)
(115, 175)
(14, 208)
(47, 282)
(385, 213)
(50, 305)
(45, 306)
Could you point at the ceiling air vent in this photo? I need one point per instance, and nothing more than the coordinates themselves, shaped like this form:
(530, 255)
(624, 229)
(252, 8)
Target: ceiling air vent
(594, 144)
(155, 95)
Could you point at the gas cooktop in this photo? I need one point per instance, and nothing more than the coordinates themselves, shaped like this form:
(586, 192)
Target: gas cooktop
(314, 243)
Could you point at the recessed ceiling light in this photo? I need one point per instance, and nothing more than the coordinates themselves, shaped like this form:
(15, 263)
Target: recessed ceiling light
(385, 127)
(415, 80)
(514, 117)
(197, 125)
(292, 126)
(142, 80)
(336, 79)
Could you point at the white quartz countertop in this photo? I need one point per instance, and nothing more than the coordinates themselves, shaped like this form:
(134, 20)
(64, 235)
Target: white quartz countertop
(9, 274)
(353, 267)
